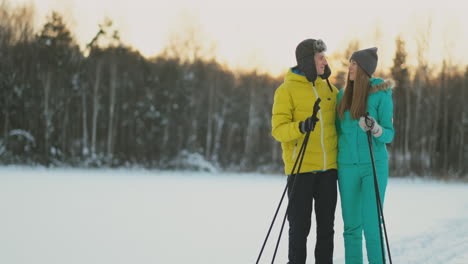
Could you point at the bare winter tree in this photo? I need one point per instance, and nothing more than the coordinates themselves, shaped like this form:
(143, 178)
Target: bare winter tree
(102, 50)
(418, 138)
(96, 106)
(112, 98)
(16, 41)
(402, 115)
(463, 126)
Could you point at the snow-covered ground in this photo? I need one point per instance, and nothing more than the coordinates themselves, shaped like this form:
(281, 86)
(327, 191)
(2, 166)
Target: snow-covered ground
(66, 216)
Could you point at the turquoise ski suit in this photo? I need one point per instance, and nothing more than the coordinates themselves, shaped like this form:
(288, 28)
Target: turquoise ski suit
(355, 175)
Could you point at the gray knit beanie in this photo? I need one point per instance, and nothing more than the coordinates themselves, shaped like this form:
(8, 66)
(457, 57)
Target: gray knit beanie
(366, 59)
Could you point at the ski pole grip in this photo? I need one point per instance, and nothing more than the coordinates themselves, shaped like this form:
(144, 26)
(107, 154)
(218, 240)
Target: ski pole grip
(316, 107)
(368, 121)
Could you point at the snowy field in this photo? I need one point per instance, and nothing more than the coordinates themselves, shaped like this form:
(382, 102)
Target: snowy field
(68, 216)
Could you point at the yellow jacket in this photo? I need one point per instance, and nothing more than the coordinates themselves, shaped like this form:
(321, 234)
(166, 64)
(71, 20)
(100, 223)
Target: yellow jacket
(294, 101)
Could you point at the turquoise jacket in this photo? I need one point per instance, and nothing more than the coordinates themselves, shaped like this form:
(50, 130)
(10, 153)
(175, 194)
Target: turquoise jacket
(353, 146)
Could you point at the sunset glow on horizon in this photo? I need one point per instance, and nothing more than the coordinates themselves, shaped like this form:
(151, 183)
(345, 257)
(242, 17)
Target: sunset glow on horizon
(262, 35)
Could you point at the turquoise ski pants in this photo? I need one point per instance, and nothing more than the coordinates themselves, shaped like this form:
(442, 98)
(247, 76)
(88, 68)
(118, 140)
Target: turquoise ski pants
(359, 209)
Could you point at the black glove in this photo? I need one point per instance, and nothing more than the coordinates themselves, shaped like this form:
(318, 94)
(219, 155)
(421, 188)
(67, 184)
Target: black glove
(308, 125)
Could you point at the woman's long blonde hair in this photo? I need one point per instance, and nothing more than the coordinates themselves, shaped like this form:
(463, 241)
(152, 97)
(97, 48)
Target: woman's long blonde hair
(355, 95)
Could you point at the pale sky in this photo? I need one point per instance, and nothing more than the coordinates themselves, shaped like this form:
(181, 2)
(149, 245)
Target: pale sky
(263, 34)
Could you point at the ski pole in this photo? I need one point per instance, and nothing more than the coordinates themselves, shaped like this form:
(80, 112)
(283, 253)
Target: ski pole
(290, 177)
(380, 215)
(288, 182)
(291, 198)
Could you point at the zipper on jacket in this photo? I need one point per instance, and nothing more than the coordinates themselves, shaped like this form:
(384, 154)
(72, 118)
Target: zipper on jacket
(294, 151)
(321, 134)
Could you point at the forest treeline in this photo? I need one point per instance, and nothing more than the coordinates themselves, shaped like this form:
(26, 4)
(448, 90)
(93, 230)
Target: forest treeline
(107, 105)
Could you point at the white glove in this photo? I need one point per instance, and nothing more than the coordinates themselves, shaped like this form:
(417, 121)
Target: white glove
(371, 125)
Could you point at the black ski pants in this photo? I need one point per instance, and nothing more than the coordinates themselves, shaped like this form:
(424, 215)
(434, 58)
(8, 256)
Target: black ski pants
(303, 191)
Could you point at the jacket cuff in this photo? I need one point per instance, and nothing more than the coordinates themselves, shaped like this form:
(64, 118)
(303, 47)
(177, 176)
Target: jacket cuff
(300, 127)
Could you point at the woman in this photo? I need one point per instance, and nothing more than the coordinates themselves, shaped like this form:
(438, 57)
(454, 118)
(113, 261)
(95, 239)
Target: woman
(363, 94)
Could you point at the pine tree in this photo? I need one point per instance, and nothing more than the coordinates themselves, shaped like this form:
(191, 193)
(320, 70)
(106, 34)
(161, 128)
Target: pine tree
(402, 108)
(59, 57)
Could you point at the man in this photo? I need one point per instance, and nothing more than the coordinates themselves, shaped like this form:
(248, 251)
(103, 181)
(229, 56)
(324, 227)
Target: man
(317, 180)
